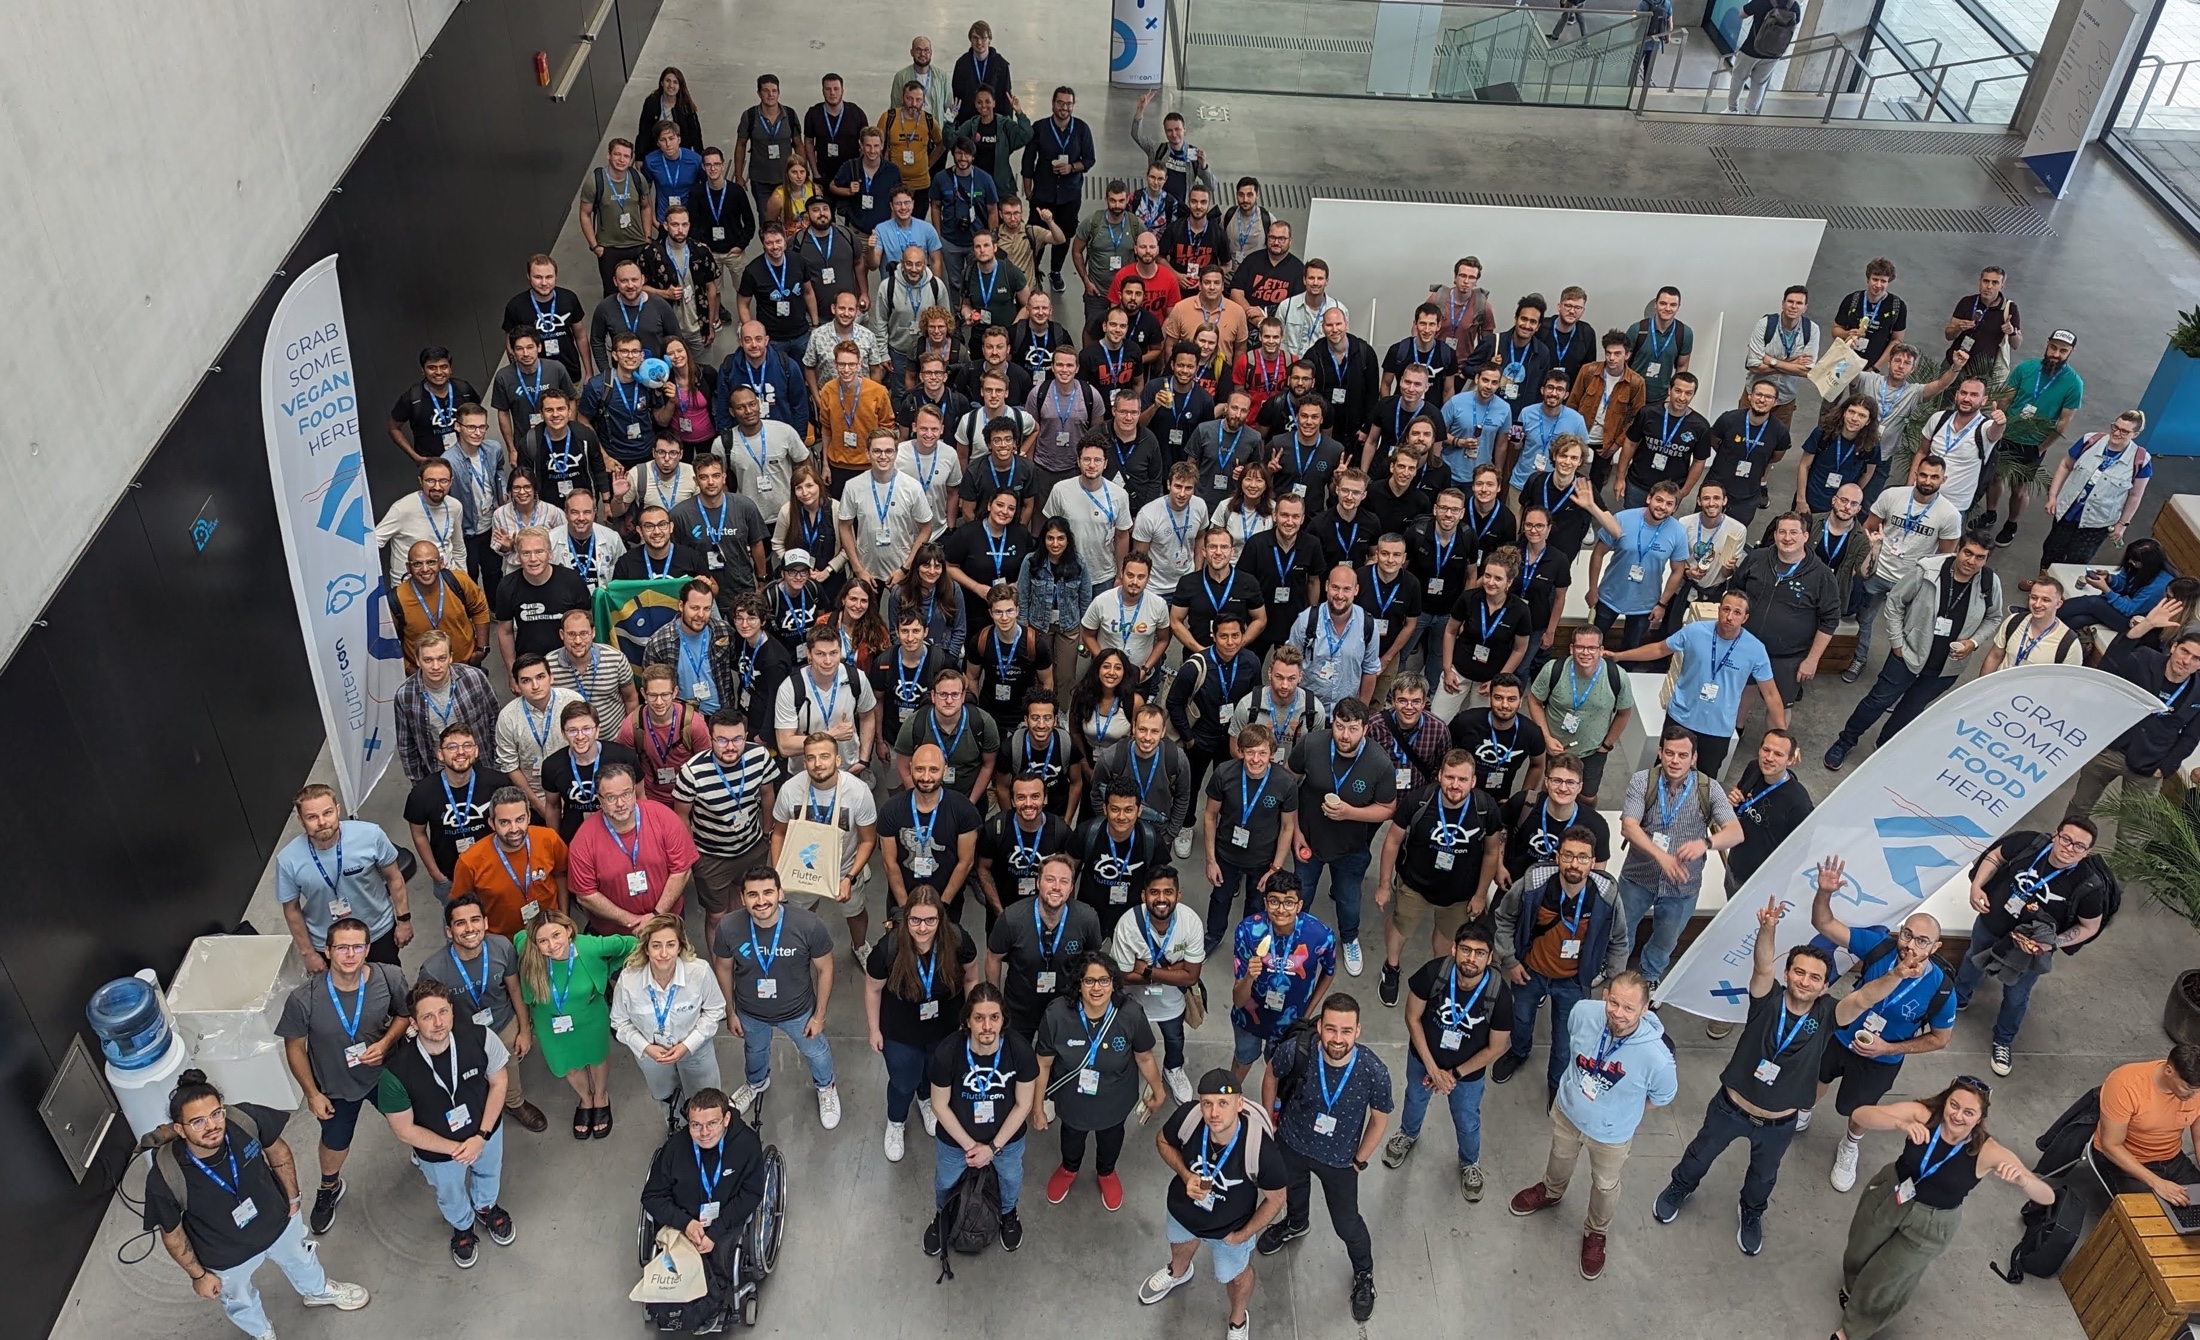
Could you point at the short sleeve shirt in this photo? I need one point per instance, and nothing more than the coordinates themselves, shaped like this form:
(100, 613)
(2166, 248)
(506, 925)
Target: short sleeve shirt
(1252, 808)
(210, 1224)
(1460, 1013)
(981, 1090)
(1707, 693)
(771, 965)
(1634, 575)
(1236, 1187)
(1903, 1014)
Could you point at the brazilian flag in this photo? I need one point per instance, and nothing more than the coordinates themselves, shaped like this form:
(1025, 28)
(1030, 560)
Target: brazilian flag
(628, 612)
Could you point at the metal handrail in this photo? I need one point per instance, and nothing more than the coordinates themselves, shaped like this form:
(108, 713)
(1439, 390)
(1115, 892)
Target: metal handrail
(2161, 68)
(1978, 84)
(1939, 81)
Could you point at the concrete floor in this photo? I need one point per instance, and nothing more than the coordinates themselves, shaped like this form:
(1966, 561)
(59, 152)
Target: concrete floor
(2112, 267)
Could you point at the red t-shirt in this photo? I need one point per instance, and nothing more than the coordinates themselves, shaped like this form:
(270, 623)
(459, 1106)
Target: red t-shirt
(664, 749)
(600, 862)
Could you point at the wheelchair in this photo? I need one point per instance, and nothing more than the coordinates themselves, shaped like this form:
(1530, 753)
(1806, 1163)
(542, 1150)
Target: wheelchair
(756, 1252)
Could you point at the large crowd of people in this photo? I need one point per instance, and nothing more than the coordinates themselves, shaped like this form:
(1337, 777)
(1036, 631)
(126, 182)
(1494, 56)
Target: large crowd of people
(1003, 618)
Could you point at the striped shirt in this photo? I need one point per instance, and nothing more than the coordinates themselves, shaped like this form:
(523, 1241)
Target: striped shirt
(602, 679)
(727, 819)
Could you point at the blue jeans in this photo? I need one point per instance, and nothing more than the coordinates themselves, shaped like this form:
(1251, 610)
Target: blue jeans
(947, 1169)
(1668, 913)
(905, 1062)
(1222, 918)
(292, 1255)
(1723, 1124)
(461, 1189)
(792, 350)
(1345, 876)
(2082, 612)
(1898, 687)
(1466, 1108)
(1172, 1042)
(1565, 993)
(756, 1045)
(2016, 996)
(1867, 619)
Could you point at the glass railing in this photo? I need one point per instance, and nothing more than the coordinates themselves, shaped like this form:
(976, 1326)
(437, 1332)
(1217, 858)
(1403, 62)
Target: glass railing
(1406, 49)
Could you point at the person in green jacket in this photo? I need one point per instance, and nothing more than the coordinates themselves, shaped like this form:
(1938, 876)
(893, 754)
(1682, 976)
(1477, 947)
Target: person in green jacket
(565, 978)
(997, 135)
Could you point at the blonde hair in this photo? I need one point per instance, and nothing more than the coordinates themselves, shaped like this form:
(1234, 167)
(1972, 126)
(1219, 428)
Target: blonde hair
(534, 967)
(663, 921)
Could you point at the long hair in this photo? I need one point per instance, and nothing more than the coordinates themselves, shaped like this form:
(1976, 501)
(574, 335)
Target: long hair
(1829, 424)
(682, 103)
(1086, 700)
(1265, 504)
(902, 977)
(1938, 1104)
(692, 378)
(1070, 564)
(534, 969)
(1082, 964)
(638, 961)
(911, 593)
(2143, 562)
(867, 633)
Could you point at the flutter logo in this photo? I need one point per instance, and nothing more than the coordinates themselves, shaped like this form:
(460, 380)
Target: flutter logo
(1906, 864)
(343, 512)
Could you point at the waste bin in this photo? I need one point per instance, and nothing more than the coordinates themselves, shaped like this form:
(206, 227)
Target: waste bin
(227, 998)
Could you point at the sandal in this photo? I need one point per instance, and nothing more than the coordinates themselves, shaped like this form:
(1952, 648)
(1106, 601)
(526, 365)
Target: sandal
(600, 1126)
(581, 1117)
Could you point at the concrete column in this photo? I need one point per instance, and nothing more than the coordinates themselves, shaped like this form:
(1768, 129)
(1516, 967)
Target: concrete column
(1845, 19)
(2081, 68)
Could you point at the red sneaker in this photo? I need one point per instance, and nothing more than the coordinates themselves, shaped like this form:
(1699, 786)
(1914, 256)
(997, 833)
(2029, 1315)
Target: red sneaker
(1111, 1191)
(1058, 1185)
(1592, 1255)
(1534, 1197)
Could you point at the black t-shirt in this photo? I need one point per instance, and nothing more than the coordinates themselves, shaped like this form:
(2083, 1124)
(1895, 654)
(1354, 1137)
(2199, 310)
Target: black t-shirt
(1745, 452)
(1442, 567)
(987, 558)
(1886, 317)
(1202, 598)
(1484, 643)
(1532, 834)
(925, 1021)
(1038, 956)
(558, 468)
(1368, 777)
(902, 690)
(1539, 582)
(535, 612)
(1569, 523)
(1050, 762)
(1791, 1042)
(1501, 755)
(1953, 596)
(1307, 470)
(1394, 605)
(433, 415)
(561, 324)
(2026, 872)
(1665, 443)
(451, 814)
(926, 851)
(1236, 1189)
(1767, 818)
(1395, 512)
(1280, 578)
(1107, 869)
(575, 785)
(1344, 540)
(1266, 281)
(984, 477)
(679, 561)
(838, 140)
(982, 1089)
(1442, 856)
(1007, 671)
(211, 1224)
(1457, 1011)
(1270, 797)
(776, 294)
(1013, 855)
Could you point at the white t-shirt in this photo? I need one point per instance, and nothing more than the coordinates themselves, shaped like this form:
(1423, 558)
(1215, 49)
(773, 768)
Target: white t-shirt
(1094, 517)
(1719, 546)
(885, 544)
(1966, 451)
(655, 490)
(1169, 538)
(780, 448)
(938, 474)
(803, 799)
(822, 709)
(1910, 533)
(609, 550)
(1129, 626)
(1180, 942)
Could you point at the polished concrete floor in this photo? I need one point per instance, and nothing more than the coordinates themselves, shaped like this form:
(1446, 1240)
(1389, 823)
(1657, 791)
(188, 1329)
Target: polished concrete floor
(2109, 265)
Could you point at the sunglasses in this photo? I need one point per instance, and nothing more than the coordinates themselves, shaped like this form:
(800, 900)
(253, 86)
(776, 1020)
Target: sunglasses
(1974, 1083)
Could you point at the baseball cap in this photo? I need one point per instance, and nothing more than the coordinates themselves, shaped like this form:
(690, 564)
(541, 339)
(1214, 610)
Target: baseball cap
(2069, 337)
(1218, 1081)
(797, 558)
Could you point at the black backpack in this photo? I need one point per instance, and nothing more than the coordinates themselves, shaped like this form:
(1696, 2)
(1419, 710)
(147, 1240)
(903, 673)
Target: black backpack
(1301, 1038)
(971, 1218)
(2050, 1234)
(1776, 32)
(1887, 949)
(2112, 900)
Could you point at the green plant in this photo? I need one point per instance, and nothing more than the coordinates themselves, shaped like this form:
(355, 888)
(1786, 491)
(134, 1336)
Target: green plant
(2157, 846)
(2185, 339)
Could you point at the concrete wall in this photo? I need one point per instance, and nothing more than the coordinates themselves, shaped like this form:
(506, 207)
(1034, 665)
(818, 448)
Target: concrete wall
(162, 160)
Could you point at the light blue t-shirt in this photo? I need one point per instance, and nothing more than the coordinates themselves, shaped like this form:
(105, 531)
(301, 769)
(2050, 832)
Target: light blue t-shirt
(893, 239)
(1707, 659)
(1643, 547)
(1537, 431)
(349, 873)
(1466, 416)
(1335, 663)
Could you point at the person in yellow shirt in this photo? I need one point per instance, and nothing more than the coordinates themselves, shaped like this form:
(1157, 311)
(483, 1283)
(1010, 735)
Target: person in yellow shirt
(434, 599)
(849, 407)
(913, 139)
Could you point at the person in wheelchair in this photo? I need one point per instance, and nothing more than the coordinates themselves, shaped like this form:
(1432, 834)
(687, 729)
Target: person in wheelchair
(708, 1182)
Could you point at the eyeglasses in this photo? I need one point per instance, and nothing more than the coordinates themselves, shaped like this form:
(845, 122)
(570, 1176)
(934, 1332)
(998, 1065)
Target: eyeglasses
(2075, 844)
(347, 949)
(914, 922)
(1904, 935)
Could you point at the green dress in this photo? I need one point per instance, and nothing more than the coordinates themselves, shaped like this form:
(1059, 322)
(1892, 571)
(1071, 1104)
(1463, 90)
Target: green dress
(596, 960)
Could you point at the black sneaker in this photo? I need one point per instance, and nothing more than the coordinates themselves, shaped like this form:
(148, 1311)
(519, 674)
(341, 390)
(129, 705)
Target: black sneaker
(2006, 536)
(1278, 1233)
(1507, 1066)
(932, 1238)
(1387, 985)
(1012, 1231)
(1750, 1235)
(465, 1248)
(1363, 1295)
(499, 1224)
(1986, 518)
(325, 1201)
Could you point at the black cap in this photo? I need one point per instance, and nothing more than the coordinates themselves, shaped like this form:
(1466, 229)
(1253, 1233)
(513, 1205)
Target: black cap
(1218, 1081)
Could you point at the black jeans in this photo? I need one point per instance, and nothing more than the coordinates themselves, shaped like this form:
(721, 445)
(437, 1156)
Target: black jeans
(1711, 751)
(2068, 543)
(608, 264)
(1898, 687)
(2178, 1168)
(1109, 1141)
(1723, 1123)
(1065, 218)
(1341, 1190)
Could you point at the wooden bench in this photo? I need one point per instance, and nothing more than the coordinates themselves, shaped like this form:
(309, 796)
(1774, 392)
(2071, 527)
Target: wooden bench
(2177, 528)
(2135, 1277)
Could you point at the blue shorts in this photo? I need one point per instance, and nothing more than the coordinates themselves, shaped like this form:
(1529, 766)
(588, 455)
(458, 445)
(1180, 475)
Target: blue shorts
(1230, 1262)
(1249, 1047)
(336, 1132)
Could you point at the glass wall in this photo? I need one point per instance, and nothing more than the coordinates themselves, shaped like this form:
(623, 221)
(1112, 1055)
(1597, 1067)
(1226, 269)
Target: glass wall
(2156, 128)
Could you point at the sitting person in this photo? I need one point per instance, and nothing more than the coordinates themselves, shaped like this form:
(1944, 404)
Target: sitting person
(706, 1183)
(2146, 1109)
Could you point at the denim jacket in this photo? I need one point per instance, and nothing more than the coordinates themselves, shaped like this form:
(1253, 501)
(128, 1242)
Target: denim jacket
(1051, 604)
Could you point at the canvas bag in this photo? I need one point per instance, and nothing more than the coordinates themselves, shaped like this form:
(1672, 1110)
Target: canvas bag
(809, 860)
(674, 1275)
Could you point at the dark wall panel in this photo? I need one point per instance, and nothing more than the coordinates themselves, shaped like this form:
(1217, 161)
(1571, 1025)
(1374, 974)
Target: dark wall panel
(163, 715)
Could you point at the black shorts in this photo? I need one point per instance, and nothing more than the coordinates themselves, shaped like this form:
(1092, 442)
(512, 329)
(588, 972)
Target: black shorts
(1863, 1080)
(2030, 455)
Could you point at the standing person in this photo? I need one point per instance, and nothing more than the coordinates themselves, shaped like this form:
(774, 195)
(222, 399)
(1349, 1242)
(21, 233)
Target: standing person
(1507, 751)
(1558, 930)
(1938, 616)
(883, 515)
(1772, 25)
(2023, 918)
(915, 979)
(223, 1242)
(1152, 768)
(1414, 737)
(1618, 1067)
(553, 314)
(1871, 319)
(1044, 749)
(570, 775)
(1647, 541)
(1660, 345)
(1015, 842)
(1337, 641)
(1966, 437)
(2096, 491)
(1774, 1071)
(1582, 705)
(1668, 443)
(1673, 818)
(1769, 801)
(1029, 950)
(1608, 396)
(827, 794)
(1282, 961)
(1986, 325)
(1252, 815)
(525, 727)
(723, 794)
(1917, 1017)
(984, 1090)
(634, 860)
(764, 143)
(424, 422)
(454, 1127)
(665, 733)
(717, 1178)
(1845, 448)
(1906, 526)
(1490, 629)
(439, 693)
(1720, 659)
(1101, 1043)
(1346, 795)
(1218, 669)
(1110, 849)
(1449, 1045)
(2036, 634)
(337, 1029)
(487, 970)
(1912, 1208)
(318, 886)
(429, 514)
(1061, 152)
(615, 218)
(527, 890)
(597, 672)
(1421, 873)
(916, 850)
(1206, 1203)
(1159, 948)
(666, 1008)
(774, 985)
(1795, 602)
(565, 983)
(1332, 1100)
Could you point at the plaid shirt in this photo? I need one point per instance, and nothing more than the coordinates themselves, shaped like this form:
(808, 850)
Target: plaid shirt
(418, 724)
(664, 649)
(1422, 749)
(658, 271)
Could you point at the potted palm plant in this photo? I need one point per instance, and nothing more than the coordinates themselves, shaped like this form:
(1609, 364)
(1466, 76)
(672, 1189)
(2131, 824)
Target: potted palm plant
(2172, 399)
(2157, 847)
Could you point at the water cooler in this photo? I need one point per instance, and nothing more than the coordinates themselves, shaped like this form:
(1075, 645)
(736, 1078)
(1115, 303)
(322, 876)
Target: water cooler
(144, 1053)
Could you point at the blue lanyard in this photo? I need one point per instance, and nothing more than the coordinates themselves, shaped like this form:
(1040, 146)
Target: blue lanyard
(442, 589)
(1047, 952)
(465, 980)
(1098, 1038)
(693, 655)
(1444, 824)
(1842, 458)
(1581, 904)
(1114, 359)
(709, 1178)
(1336, 528)
(1230, 453)
(907, 683)
(359, 1010)
(1301, 463)
(437, 408)
(1606, 1045)
(1337, 779)
(994, 470)
(633, 855)
(315, 853)
(825, 246)
(1749, 443)
(1284, 561)
(813, 529)
(1451, 987)
(1213, 1166)
(962, 728)
(1515, 356)
(920, 826)
(1783, 1036)
(1333, 643)
(442, 533)
(1761, 794)
(1926, 1166)
(1565, 496)
(1658, 347)
(235, 1185)
(1101, 506)
(2025, 645)
(1004, 665)
(534, 393)
(734, 791)
(1156, 948)
(1145, 783)
(1718, 663)
(766, 963)
(1833, 554)
(1490, 621)
(928, 969)
(558, 993)
(716, 202)
(662, 1012)
(987, 283)
(2169, 702)
(1527, 569)
(451, 801)
(884, 508)
(649, 565)
(1183, 532)
(1250, 797)
(527, 863)
(1016, 834)
(778, 275)
(2039, 885)
(1666, 813)
(633, 320)
(1280, 952)
(1575, 687)
(822, 815)
(1321, 1072)
(714, 528)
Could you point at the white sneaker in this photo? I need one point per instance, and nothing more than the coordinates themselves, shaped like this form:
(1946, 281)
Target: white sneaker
(828, 1106)
(1352, 958)
(931, 1122)
(1183, 847)
(343, 1297)
(1240, 1330)
(1180, 1085)
(1844, 1164)
(895, 1140)
(1802, 1121)
(1161, 1284)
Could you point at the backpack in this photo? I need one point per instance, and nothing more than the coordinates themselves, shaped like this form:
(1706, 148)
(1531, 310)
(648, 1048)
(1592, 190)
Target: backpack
(971, 1218)
(1885, 950)
(168, 1164)
(1775, 33)
(1772, 319)
(2068, 639)
(2112, 899)
(1611, 680)
(1259, 1129)
(2050, 1234)
(1302, 1038)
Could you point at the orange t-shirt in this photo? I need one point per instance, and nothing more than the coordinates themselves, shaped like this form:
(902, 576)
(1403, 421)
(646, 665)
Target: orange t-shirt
(486, 873)
(2156, 1121)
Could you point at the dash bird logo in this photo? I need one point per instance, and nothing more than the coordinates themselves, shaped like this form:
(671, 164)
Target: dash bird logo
(1906, 863)
(346, 589)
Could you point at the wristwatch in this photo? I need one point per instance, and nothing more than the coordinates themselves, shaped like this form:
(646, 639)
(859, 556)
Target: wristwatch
(404, 916)
(1359, 1165)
